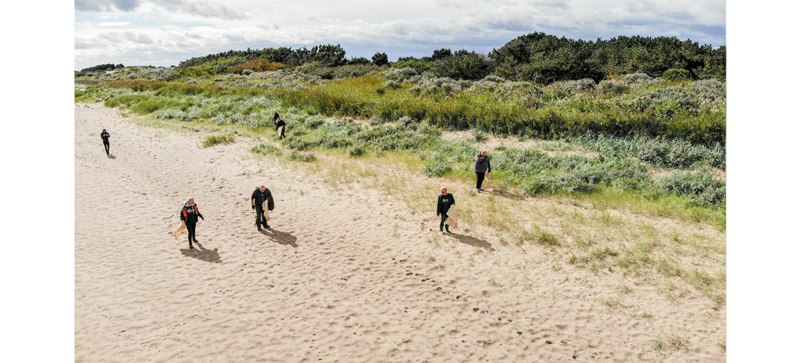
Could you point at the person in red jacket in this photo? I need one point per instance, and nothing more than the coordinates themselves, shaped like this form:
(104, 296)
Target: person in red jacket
(189, 216)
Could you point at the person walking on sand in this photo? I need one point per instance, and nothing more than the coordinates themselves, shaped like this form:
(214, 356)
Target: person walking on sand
(260, 195)
(104, 135)
(446, 200)
(280, 126)
(483, 167)
(189, 216)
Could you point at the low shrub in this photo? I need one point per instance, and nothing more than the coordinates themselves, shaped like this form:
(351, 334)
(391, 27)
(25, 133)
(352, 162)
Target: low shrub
(357, 151)
(296, 156)
(677, 74)
(217, 139)
(700, 186)
(266, 149)
(437, 168)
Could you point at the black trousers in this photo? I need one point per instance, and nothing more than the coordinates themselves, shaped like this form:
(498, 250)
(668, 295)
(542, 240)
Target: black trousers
(105, 145)
(190, 227)
(480, 179)
(441, 224)
(260, 219)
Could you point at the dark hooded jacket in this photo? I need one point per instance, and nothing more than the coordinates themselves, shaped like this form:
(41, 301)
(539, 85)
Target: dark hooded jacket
(482, 164)
(260, 197)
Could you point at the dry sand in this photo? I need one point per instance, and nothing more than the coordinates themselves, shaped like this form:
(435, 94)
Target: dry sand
(329, 283)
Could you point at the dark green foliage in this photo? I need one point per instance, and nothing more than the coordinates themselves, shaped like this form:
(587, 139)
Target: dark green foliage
(463, 65)
(673, 74)
(357, 151)
(358, 60)
(327, 54)
(547, 58)
(441, 54)
(380, 59)
(419, 66)
(102, 67)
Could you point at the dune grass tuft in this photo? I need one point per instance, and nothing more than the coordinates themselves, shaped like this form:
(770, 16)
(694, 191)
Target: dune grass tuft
(218, 139)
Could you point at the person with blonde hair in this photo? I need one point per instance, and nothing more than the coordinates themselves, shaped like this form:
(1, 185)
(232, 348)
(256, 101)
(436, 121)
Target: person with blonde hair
(189, 215)
(446, 200)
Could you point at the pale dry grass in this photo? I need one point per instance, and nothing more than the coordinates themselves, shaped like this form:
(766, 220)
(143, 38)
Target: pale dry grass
(683, 259)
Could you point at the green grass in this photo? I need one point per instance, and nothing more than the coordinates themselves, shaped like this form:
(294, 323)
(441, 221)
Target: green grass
(266, 149)
(658, 344)
(303, 157)
(218, 139)
(620, 177)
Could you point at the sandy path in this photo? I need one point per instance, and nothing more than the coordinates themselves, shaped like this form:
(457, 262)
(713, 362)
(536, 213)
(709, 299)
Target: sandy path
(330, 282)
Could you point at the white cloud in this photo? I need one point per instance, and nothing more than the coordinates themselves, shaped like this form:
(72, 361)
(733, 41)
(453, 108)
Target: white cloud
(197, 7)
(114, 23)
(413, 24)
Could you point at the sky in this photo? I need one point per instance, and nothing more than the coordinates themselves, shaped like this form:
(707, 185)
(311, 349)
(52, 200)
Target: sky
(165, 32)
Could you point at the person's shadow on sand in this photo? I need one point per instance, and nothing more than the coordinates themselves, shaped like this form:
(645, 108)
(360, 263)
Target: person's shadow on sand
(111, 156)
(283, 238)
(504, 194)
(472, 241)
(201, 253)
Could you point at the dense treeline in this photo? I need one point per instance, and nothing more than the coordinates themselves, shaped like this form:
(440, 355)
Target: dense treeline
(102, 67)
(327, 55)
(535, 57)
(555, 59)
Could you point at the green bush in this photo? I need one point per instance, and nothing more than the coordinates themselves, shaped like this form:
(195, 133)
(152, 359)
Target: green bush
(266, 149)
(437, 168)
(677, 74)
(357, 151)
(296, 156)
(700, 186)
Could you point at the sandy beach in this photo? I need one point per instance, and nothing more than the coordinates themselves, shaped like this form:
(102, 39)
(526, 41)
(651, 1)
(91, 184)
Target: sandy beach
(338, 278)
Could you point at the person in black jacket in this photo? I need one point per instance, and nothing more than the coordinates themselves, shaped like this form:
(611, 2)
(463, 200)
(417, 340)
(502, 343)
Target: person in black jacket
(482, 168)
(442, 206)
(189, 216)
(282, 126)
(275, 117)
(260, 195)
(104, 135)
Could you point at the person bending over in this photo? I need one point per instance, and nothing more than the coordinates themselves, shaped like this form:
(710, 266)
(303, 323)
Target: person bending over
(443, 206)
(280, 126)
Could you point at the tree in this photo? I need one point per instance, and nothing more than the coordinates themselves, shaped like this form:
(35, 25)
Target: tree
(441, 54)
(358, 60)
(380, 59)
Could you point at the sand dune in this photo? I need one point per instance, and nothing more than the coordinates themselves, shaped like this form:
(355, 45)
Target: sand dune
(329, 283)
